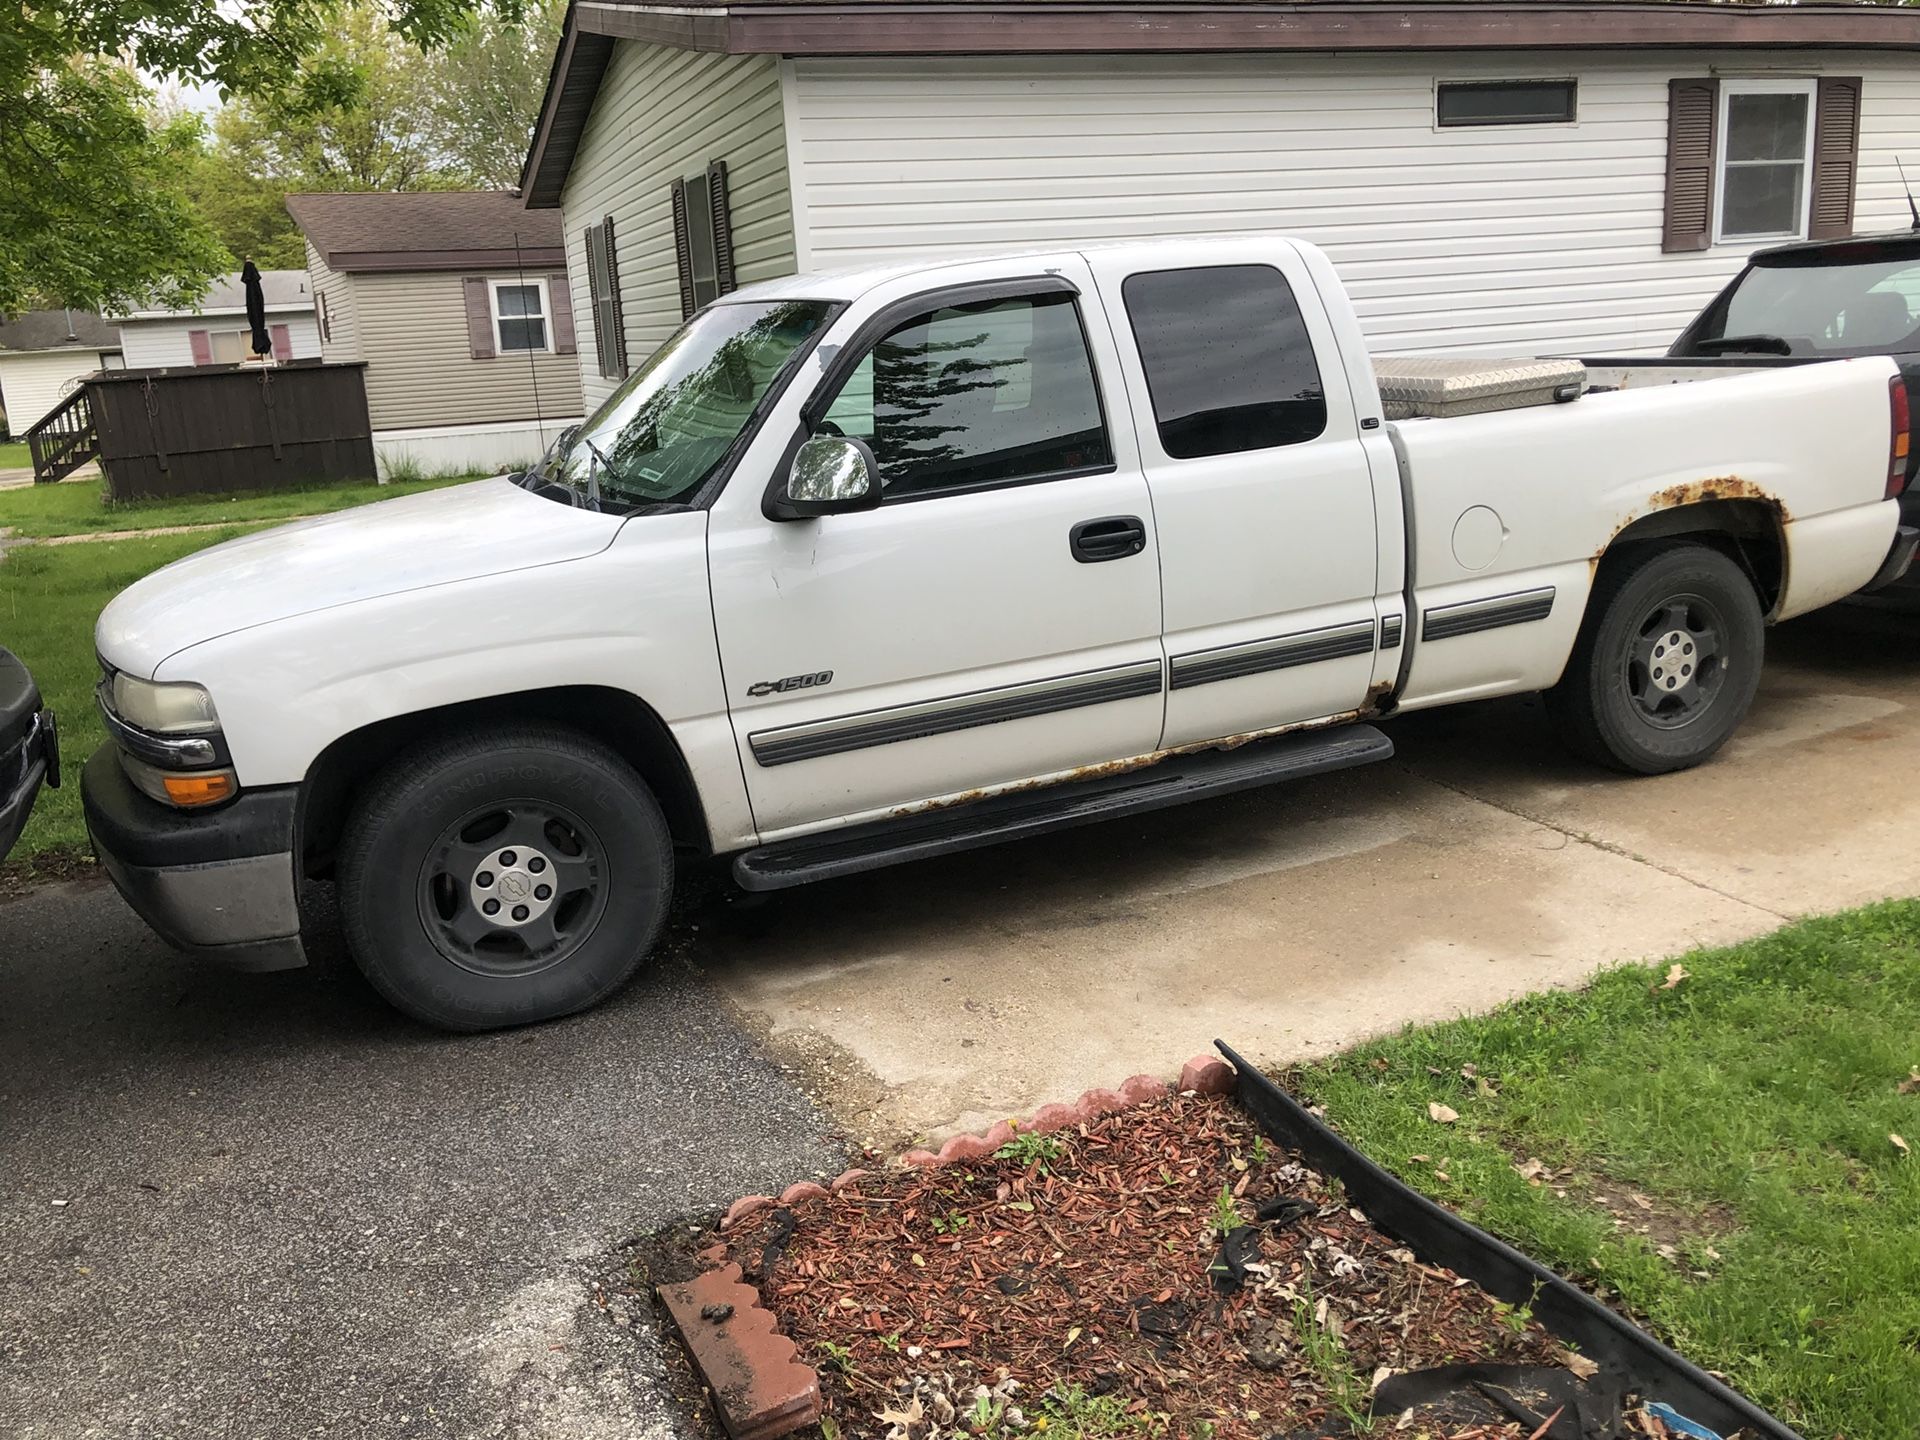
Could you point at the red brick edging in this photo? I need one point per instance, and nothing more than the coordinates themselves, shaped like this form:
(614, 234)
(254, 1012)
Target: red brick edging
(759, 1385)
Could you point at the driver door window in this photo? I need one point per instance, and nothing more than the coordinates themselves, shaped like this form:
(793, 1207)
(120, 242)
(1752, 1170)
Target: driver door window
(978, 396)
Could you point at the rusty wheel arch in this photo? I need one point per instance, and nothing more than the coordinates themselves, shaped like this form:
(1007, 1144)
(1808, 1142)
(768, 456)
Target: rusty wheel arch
(1734, 516)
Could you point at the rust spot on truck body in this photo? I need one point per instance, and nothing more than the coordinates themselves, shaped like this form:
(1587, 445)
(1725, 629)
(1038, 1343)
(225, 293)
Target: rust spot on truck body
(1720, 487)
(1107, 769)
(1694, 492)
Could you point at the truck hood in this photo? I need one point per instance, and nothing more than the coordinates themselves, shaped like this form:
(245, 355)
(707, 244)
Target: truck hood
(436, 538)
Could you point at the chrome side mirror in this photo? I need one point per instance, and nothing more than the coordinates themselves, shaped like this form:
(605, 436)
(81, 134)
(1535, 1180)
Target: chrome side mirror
(831, 474)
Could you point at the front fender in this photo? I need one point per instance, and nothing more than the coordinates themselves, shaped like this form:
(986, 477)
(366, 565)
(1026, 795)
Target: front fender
(635, 617)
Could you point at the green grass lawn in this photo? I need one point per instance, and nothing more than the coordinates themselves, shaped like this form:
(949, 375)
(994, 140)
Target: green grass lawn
(14, 455)
(1750, 1106)
(51, 595)
(49, 598)
(79, 506)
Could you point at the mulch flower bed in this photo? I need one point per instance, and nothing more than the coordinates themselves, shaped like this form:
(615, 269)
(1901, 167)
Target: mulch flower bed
(1097, 1281)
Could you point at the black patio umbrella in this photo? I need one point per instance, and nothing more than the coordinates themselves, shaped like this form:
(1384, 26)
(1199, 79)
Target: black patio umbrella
(260, 343)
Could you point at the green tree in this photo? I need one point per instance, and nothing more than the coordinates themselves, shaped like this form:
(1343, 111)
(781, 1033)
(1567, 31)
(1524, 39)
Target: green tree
(484, 90)
(93, 206)
(95, 203)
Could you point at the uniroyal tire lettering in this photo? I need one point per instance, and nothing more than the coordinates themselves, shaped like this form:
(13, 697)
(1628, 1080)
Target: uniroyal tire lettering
(791, 683)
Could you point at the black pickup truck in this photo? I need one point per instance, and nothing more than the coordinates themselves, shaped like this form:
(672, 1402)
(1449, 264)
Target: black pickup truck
(29, 748)
(1825, 300)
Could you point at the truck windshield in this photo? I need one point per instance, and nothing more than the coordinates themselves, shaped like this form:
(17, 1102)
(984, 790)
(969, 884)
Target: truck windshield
(659, 437)
(1862, 307)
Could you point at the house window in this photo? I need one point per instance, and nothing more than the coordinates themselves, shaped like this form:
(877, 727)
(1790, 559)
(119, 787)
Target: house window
(520, 315)
(1766, 137)
(231, 347)
(703, 237)
(603, 295)
(702, 264)
(1504, 102)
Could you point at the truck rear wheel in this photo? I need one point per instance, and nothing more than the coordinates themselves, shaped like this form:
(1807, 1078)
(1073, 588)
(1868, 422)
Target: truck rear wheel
(504, 876)
(1667, 661)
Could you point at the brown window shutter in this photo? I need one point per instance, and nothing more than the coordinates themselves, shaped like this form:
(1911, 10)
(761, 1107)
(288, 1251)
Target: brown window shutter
(1836, 157)
(326, 319)
(479, 317)
(683, 247)
(1693, 108)
(722, 211)
(560, 297)
(202, 347)
(282, 336)
(616, 317)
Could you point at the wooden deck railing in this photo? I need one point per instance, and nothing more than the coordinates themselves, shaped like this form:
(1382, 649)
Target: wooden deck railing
(64, 440)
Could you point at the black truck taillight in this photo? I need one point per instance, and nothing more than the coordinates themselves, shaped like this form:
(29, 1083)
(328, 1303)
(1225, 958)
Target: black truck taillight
(1900, 443)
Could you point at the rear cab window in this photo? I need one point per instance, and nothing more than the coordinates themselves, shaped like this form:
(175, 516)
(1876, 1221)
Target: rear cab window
(1228, 361)
(974, 397)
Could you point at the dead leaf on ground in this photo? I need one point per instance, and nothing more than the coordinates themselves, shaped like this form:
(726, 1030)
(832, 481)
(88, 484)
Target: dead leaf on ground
(1675, 974)
(1532, 1170)
(1900, 1145)
(1444, 1114)
(1909, 1085)
(1580, 1365)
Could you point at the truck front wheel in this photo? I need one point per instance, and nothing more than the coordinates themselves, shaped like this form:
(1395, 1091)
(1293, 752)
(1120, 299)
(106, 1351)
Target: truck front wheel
(498, 877)
(1667, 661)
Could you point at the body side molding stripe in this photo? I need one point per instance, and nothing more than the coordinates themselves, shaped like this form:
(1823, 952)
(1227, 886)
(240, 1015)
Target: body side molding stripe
(1390, 632)
(917, 721)
(1256, 657)
(1472, 616)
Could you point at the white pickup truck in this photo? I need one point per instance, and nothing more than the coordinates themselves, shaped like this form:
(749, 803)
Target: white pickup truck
(865, 567)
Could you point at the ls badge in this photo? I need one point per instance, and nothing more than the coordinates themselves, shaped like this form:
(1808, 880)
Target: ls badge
(791, 683)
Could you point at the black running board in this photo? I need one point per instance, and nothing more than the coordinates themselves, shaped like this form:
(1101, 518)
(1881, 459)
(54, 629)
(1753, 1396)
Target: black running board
(1019, 814)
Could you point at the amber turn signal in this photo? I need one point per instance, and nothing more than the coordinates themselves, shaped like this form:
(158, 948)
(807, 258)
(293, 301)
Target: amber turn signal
(190, 790)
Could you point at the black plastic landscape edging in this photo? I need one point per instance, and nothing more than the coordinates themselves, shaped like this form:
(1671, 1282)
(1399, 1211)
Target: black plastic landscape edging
(1440, 1237)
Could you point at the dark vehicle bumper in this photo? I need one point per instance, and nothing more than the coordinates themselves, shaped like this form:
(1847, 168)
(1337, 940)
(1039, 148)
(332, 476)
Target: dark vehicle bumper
(28, 763)
(217, 883)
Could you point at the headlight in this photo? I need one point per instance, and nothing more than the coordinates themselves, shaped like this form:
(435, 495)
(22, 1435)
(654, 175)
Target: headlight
(171, 709)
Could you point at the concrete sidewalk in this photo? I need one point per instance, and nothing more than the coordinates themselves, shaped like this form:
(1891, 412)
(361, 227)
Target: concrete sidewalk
(1483, 863)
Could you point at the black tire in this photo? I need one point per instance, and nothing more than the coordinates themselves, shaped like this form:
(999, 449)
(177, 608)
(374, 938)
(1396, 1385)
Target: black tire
(500, 808)
(1634, 701)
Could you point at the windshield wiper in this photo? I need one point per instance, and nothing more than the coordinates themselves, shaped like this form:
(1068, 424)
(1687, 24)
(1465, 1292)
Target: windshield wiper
(593, 471)
(1752, 344)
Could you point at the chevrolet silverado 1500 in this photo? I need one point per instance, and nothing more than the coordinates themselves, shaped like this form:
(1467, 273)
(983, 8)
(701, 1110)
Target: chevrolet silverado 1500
(865, 567)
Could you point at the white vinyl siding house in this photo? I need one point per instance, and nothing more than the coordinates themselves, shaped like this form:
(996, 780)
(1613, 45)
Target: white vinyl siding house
(167, 343)
(43, 355)
(1552, 217)
(662, 115)
(1496, 238)
(214, 332)
(33, 384)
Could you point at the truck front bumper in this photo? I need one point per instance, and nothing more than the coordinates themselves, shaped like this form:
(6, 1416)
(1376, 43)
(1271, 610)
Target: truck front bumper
(219, 883)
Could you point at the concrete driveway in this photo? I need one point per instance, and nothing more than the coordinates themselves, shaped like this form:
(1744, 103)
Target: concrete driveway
(258, 1207)
(1481, 864)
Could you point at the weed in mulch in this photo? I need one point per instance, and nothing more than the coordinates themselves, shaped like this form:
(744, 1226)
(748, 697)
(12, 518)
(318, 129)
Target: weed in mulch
(1162, 1272)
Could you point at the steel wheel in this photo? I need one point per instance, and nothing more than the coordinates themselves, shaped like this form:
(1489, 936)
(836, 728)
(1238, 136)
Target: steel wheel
(510, 889)
(1674, 664)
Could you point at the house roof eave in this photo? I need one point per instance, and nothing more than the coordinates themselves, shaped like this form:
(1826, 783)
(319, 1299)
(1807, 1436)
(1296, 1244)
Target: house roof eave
(1060, 27)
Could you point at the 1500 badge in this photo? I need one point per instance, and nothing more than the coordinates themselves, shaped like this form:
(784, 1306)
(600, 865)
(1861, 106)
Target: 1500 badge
(792, 682)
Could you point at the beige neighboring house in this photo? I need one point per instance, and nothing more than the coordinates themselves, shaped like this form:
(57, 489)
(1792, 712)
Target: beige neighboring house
(214, 332)
(457, 303)
(43, 354)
